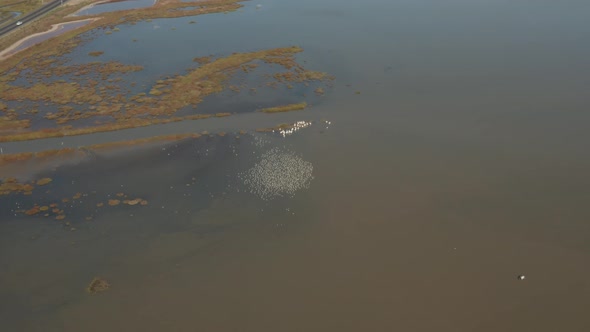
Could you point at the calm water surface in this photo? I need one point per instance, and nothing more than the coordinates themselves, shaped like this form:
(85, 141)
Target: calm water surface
(460, 165)
(114, 6)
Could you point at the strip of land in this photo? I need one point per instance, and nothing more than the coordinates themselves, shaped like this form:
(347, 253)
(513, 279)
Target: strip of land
(285, 108)
(9, 51)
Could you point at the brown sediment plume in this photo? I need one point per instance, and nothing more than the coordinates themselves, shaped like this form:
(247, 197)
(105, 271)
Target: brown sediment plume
(98, 285)
(285, 108)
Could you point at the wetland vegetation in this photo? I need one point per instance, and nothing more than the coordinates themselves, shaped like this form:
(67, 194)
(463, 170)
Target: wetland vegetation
(78, 93)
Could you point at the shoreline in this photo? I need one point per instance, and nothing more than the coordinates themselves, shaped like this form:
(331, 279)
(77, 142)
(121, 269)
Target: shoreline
(7, 53)
(87, 7)
(98, 3)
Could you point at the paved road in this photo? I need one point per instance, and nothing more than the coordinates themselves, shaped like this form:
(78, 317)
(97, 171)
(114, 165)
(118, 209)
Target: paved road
(31, 16)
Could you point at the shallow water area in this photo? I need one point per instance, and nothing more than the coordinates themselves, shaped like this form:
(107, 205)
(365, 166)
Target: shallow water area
(114, 6)
(194, 199)
(449, 158)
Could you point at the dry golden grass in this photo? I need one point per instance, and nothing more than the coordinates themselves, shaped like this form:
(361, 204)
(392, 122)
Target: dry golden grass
(190, 89)
(43, 181)
(181, 91)
(24, 7)
(33, 211)
(11, 185)
(16, 157)
(62, 93)
(10, 124)
(114, 202)
(69, 131)
(202, 60)
(285, 108)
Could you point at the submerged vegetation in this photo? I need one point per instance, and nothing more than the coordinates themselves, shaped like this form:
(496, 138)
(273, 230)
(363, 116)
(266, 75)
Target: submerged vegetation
(41, 156)
(98, 285)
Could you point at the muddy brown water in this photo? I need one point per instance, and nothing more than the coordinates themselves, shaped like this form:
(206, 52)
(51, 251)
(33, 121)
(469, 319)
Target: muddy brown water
(460, 165)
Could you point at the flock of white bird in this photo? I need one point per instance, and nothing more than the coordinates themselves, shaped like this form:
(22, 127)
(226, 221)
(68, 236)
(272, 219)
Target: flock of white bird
(296, 126)
(278, 174)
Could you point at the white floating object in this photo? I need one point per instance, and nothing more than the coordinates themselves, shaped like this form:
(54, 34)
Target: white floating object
(521, 277)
